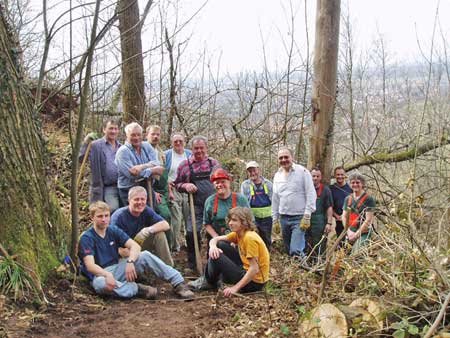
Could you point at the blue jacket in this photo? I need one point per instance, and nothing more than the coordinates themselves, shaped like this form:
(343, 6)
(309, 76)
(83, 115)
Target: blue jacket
(168, 155)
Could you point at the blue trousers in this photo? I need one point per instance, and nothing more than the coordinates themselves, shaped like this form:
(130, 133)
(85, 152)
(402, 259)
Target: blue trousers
(293, 236)
(145, 262)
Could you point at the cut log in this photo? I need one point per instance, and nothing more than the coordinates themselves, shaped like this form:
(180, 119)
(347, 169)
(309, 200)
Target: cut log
(372, 307)
(359, 319)
(326, 321)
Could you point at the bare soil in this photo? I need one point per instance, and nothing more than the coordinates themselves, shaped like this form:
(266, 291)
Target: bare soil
(75, 311)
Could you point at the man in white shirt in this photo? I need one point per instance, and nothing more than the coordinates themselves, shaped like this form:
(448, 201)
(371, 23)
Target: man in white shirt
(293, 202)
(178, 202)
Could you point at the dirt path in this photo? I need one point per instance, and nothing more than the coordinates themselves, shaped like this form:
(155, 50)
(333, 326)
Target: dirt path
(81, 314)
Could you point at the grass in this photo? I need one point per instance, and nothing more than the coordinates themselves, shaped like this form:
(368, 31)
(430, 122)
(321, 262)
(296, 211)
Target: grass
(15, 281)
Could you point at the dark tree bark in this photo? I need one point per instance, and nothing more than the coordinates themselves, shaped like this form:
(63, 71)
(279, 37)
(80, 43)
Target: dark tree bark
(31, 222)
(133, 98)
(324, 85)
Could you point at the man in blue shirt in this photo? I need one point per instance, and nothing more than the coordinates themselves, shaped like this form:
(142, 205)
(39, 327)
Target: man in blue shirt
(136, 161)
(339, 190)
(104, 173)
(144, 225)
(98, 251)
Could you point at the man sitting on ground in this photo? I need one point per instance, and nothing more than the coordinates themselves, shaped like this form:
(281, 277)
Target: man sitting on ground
(98, 251)
(144, 225)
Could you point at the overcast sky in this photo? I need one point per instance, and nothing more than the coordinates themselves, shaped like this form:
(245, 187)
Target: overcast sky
(235, 29)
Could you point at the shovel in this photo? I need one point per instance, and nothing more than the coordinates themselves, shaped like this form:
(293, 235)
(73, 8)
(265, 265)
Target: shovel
(198, 262)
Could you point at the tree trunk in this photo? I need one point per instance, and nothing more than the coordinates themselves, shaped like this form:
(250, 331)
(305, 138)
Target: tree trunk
(324, 85)
(172, 86)
(133, 98)
(31, 222)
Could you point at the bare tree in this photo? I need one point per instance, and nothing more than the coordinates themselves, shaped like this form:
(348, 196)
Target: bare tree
(324, 86)
(133, 96)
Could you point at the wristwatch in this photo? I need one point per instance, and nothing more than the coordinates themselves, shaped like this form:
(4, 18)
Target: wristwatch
(130, 261)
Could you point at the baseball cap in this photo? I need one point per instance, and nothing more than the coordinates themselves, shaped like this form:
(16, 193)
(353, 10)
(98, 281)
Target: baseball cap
(252, 164)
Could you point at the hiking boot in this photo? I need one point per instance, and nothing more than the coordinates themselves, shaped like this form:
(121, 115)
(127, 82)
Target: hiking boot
(147, 291)
(201, 284)
(183, 291)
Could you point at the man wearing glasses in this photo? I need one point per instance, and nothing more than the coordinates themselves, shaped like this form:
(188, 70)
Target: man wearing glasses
(293, 202)
(178, 202)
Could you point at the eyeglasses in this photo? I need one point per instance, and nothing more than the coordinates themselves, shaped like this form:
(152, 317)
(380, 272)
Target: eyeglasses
(178, 141)
(283, 157)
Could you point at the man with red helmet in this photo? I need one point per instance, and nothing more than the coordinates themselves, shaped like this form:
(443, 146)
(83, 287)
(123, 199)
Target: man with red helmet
(217, 205)
(216, 212)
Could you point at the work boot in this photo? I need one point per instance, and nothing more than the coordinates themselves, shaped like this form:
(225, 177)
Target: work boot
(201, 284)
(147, 291)
(183, 291)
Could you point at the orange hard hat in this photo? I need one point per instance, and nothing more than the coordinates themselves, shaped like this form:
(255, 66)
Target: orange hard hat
(220, 174)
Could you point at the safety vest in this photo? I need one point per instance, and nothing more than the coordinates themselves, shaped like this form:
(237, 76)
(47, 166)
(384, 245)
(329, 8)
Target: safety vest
(354, 216)
(260, 211)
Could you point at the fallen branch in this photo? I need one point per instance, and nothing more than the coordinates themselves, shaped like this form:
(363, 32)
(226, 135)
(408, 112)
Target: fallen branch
(398, 156)
(439, 317)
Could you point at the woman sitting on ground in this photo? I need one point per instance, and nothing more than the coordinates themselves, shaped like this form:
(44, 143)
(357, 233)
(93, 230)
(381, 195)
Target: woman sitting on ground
(358, 212)
(246, 264)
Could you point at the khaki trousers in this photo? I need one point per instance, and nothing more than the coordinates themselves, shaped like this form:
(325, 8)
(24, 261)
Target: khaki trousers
(157, 244)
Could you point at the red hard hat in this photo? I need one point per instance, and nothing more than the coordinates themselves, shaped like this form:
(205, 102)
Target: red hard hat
(220, 174)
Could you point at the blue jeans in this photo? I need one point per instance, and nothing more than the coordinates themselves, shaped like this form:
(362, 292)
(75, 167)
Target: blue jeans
(264, 226)
(293, 236)
(111, 197)
(145, 262)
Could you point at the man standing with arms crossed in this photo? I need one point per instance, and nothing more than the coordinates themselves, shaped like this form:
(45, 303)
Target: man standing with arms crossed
(136, 162)
(293, 202)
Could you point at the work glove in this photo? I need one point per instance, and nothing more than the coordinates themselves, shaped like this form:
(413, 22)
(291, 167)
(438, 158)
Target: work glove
(142, 235)
(90, 137)
(276, 227)
(305, 223)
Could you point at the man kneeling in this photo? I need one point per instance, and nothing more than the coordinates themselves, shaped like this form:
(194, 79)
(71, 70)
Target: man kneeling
(98, 251)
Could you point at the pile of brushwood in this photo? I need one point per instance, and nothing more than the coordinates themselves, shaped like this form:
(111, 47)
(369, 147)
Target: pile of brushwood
(394, 287)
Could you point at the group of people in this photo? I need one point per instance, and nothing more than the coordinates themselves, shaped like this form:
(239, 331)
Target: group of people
(140, 198)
